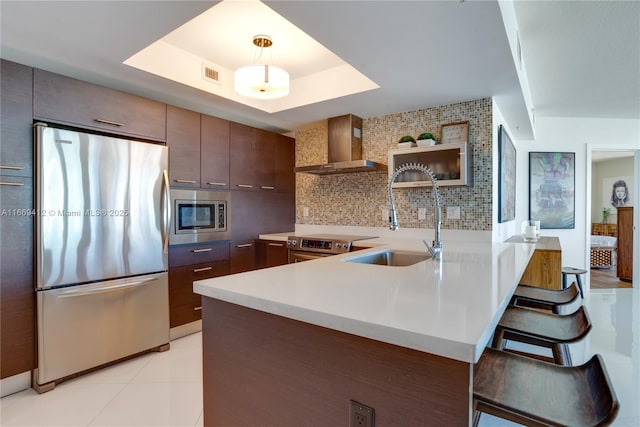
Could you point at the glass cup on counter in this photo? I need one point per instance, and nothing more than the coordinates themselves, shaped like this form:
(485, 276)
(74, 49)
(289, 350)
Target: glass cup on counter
(530, 230)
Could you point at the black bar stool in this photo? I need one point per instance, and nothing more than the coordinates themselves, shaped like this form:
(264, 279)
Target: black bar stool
(545, 299)
(535, 393)
(547, 330)
(570, 270)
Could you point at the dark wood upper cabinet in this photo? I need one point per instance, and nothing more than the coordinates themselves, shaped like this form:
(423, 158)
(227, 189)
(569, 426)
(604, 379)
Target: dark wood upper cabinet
(243, 173)
(285, 164)
(214, 153)
(265, 160)
(183, 140)
(73, 102)
(16, 116)
(261, 160)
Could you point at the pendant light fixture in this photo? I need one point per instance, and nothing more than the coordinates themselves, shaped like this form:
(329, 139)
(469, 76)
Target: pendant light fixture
(261, 80)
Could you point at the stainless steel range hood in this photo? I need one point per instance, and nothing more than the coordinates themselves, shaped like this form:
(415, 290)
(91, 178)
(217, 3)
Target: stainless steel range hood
(345, 149)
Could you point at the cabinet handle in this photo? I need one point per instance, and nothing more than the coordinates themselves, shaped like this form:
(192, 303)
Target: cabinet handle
(200, 270)
(244, 185)
(13, 168)
(197, 308)
(184, 181)
(13, 184)
(197, 251)
(267, 187)
(108, 122)
(245, 245)
(276, 244)
(219, 184)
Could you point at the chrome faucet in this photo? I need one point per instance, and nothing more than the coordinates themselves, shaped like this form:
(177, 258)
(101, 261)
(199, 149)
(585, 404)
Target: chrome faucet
(435, 250)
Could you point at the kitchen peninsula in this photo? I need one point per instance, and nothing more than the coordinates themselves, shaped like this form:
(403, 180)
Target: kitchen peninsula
(292, 345)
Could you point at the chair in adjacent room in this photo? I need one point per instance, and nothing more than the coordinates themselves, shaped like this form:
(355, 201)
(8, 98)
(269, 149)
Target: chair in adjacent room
(536, 393)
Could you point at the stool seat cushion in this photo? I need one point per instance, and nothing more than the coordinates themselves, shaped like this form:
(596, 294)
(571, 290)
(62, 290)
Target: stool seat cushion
(534, 393)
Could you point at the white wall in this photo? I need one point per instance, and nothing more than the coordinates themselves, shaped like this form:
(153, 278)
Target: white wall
(501, 232)
(573, 135)
(614, 168)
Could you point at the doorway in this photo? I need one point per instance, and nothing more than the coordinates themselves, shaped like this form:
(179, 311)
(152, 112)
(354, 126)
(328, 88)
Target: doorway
(614, 179)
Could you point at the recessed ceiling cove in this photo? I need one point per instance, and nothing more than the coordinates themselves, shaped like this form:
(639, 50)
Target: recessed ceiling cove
(205, 52)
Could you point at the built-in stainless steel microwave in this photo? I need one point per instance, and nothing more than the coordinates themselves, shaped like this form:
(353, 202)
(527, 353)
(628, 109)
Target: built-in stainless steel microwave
(199, 216)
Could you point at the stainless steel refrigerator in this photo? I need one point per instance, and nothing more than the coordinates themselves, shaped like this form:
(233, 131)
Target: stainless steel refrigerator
(103, 214)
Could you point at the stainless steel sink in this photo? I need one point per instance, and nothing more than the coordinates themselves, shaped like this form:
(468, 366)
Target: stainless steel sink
(391, 258)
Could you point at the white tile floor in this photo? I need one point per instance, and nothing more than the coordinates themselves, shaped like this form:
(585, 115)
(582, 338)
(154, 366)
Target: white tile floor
(165, 389)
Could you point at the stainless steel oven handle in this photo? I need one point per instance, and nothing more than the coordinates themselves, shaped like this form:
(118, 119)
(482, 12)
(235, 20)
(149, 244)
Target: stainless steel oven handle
(93, 291)
(167, 211)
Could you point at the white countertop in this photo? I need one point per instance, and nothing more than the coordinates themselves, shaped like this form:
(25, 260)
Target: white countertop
(449, 308)
(280, 237)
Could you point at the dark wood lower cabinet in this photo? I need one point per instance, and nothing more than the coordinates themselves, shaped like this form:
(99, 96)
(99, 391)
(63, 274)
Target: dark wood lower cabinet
(243, 256)
(188, 263)
(263, 369)
(17, 304)
(272, 253)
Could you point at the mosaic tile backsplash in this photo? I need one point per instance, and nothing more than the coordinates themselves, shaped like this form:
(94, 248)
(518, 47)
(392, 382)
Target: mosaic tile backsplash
(360, 199)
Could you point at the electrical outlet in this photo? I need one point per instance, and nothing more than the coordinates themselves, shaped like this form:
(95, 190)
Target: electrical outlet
(360, 415)
(386, 215)
(422, 213)
(453, 212)
(305, 211)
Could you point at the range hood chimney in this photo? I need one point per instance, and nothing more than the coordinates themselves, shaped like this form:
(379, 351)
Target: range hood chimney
(345, 149)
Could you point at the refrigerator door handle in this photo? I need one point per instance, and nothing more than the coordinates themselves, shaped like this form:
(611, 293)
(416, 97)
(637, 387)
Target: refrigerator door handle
(93, 291)
(167, 211)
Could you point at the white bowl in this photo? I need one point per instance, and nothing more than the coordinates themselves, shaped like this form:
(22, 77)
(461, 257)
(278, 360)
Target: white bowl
(425, 142)
(407, 144)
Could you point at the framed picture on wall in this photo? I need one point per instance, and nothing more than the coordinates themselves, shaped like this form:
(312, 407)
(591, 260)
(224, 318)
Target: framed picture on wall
(507, 174)
(452, 133)
(552, 189)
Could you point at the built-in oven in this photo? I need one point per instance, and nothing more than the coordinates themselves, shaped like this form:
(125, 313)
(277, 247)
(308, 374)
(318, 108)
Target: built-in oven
(199, 216)
(307, 248)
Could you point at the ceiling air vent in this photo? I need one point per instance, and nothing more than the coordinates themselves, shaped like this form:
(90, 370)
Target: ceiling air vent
(210, 74)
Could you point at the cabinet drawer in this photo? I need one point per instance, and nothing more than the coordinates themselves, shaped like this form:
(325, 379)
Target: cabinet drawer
(182, 255)
(183, 140)
(70, 101)
(184, 304)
